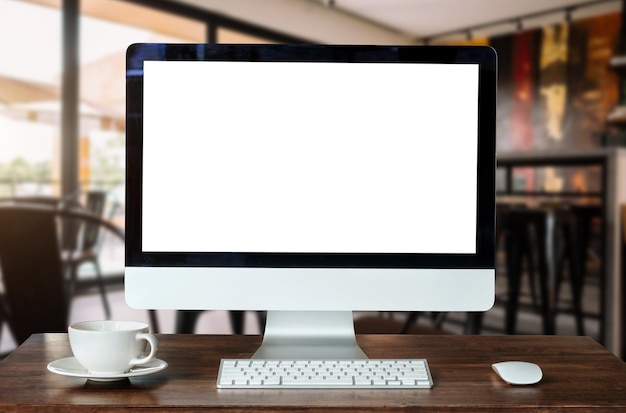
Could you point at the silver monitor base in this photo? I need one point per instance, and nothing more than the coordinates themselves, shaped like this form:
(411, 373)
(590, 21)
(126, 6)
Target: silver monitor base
(321, 335)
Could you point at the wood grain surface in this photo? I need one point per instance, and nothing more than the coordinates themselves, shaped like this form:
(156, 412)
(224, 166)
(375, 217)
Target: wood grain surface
(579, 375)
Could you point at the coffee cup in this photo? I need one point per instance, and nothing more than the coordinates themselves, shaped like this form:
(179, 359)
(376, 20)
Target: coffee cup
(111, 347)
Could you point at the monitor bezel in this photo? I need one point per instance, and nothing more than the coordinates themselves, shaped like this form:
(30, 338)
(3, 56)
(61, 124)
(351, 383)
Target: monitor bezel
(484, 57)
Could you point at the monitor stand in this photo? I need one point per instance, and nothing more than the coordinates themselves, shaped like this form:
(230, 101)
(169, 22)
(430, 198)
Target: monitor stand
(322, 335)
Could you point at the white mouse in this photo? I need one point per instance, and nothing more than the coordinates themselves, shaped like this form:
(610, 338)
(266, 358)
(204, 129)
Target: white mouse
(518, 372)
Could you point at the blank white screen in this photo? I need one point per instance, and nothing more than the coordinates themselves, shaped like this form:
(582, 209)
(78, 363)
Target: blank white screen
(309, 157)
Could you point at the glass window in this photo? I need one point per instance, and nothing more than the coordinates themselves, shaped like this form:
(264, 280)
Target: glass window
(30, 73)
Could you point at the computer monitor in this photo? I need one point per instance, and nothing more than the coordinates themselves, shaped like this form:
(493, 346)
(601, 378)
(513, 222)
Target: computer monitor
(310, 181)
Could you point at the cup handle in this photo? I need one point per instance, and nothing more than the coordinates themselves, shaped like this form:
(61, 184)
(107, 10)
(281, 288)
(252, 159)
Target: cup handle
(154, 346)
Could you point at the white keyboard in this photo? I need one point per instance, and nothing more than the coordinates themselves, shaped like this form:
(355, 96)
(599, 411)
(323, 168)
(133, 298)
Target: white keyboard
(351, 374)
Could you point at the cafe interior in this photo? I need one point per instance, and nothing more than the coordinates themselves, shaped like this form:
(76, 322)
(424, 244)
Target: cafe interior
(560, 128)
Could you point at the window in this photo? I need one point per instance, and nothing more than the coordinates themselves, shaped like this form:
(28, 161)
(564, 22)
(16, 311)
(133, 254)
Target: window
(30, 73)
(30, 137)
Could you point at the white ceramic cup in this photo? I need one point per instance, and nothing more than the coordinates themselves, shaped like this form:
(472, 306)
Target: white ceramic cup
(111, 347)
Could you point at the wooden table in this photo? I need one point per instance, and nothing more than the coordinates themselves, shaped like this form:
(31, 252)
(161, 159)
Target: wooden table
(578, 373)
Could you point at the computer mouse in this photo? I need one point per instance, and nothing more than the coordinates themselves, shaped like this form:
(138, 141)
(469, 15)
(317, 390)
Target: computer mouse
(518, 372)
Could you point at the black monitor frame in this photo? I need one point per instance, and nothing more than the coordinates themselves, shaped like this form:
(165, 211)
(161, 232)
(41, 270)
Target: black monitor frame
(486, 59)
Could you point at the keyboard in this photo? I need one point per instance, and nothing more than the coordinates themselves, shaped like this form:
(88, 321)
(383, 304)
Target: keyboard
(324, 374)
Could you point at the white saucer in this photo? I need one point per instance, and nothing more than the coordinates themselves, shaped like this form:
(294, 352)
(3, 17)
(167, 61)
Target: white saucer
(71, 367)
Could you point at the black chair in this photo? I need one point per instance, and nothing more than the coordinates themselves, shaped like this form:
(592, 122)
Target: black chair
(80, 239)
(83, 246)
(36, 295)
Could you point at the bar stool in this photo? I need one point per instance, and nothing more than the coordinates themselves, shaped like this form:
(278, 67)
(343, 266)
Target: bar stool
(587, 217)
(545, 234)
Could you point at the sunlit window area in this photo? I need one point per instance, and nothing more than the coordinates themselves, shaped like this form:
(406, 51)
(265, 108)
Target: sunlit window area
(29, 98)
(31, 87)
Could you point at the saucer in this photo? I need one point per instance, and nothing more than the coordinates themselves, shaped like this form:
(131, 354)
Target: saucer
(71, 367)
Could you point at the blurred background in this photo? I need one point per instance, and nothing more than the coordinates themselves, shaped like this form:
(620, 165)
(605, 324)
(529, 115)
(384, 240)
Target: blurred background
(62, 108)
